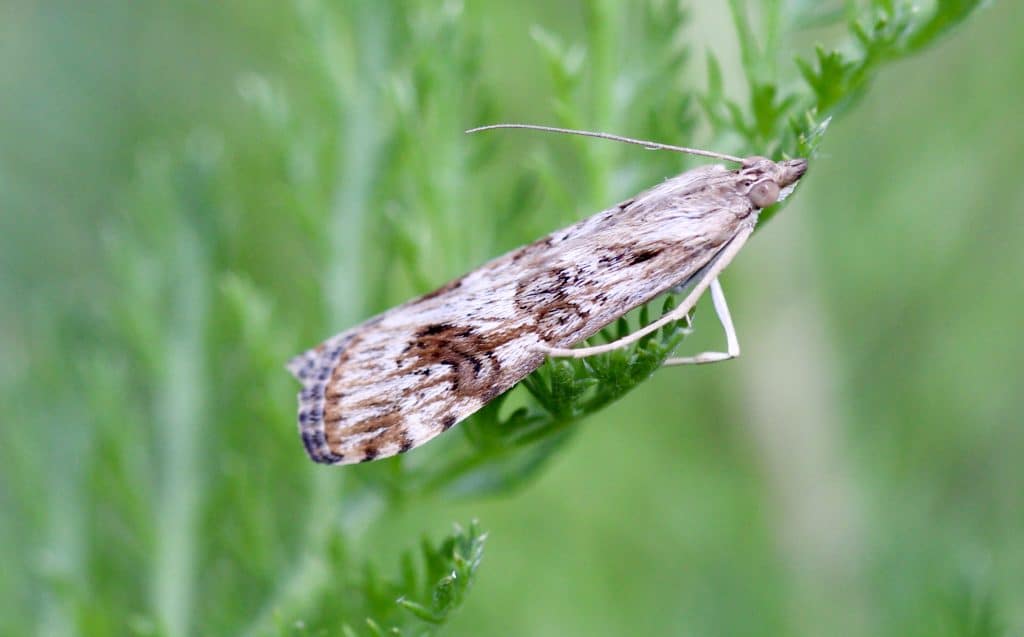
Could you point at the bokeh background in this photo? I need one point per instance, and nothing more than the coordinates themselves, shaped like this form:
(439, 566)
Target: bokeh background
(166, 241)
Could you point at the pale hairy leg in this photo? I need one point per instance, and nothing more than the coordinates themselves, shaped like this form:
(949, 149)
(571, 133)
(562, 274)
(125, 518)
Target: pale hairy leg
(732, 342)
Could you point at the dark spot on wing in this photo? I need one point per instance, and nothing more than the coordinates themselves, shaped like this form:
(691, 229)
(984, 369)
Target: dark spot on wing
(466, 352)
(640, 256)
(435, 328)
(448, 421)
(557, 314)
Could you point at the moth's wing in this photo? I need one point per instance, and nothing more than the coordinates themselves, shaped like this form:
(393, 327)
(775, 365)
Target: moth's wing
(405, 376)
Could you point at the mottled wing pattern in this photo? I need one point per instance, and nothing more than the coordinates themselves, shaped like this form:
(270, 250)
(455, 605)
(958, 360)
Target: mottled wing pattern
(401, 378)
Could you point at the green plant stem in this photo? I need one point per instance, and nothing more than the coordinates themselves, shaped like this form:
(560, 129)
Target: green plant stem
(601, 52)
(772, 22)
(65, 526)
(180, 411)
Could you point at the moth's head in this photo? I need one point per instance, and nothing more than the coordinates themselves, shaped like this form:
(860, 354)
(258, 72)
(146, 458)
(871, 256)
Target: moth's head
(765, 182)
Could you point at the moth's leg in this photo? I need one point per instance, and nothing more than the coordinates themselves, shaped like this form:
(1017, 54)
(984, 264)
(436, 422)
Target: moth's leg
(678, 313)
(732, 342)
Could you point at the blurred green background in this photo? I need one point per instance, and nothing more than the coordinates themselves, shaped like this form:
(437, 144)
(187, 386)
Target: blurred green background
(191, 192)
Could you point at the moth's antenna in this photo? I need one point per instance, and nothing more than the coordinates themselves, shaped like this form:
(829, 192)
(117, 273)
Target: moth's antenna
(617, 138)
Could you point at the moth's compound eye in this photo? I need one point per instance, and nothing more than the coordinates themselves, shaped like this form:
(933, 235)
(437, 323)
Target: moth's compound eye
(764, 193)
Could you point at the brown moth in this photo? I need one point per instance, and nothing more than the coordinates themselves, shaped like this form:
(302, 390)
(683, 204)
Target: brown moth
(402, 377)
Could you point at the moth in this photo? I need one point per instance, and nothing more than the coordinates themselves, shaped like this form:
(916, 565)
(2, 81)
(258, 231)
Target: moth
(403, 377)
